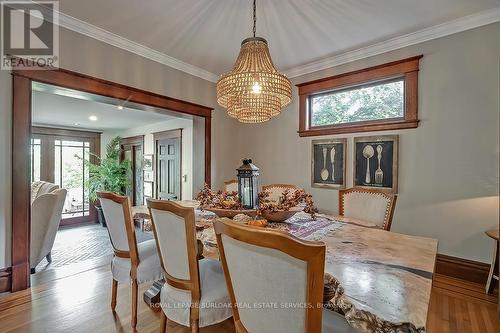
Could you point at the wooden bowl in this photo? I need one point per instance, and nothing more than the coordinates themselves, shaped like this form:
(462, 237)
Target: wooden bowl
(281, 215)
(230, 213)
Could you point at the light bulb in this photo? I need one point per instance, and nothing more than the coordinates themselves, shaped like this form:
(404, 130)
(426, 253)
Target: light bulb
(120, 107)
(256, 88)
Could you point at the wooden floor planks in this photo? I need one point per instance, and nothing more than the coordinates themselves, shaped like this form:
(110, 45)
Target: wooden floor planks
(81, 303)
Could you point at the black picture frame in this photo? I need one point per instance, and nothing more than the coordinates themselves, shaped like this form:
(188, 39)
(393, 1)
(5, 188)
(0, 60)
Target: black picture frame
(375, 162)
(324, 173)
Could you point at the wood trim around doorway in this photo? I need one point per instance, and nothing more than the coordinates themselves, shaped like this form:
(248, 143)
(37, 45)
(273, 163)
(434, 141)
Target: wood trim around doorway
(21, 134)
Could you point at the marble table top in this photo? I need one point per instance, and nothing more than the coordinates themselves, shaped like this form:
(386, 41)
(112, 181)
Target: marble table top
(384, 278)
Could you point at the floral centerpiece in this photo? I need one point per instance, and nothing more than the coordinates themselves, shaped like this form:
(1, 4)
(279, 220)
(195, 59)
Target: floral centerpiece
(224, 204)
(288, 201)
(227, 204)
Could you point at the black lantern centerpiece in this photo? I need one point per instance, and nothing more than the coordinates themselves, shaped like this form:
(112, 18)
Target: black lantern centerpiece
(248, 184)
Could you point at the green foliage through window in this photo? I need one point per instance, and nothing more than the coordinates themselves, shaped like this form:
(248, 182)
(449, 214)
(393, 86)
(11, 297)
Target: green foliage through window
(383, 100)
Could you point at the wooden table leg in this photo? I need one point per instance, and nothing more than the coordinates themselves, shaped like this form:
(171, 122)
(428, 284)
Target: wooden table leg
(490, 285)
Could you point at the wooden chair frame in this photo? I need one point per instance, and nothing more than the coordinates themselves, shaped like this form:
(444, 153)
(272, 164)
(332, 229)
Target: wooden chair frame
(389, 212)
(229, 182)
(284, 186)
(311, 252)
(193, 284)
(132, 253)
(290, 187)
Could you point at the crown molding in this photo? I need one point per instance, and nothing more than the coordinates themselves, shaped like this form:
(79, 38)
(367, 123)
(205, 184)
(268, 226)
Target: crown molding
(87, 29)
(437, 31)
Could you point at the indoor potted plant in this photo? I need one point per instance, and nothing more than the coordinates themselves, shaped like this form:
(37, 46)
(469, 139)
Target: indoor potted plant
(108, 174)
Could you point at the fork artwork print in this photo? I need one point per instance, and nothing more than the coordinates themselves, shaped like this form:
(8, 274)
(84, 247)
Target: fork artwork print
(376, 162)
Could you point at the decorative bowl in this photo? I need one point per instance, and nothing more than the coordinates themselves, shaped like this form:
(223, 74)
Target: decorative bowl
(281, 215)
(230, 213)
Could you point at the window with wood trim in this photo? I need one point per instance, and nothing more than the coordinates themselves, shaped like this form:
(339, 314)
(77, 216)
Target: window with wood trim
(379, 98)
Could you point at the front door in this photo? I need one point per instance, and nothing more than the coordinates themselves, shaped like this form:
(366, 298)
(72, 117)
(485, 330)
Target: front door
(168, 152)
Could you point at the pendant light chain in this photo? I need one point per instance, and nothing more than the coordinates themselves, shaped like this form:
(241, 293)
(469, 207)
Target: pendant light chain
(254, 17)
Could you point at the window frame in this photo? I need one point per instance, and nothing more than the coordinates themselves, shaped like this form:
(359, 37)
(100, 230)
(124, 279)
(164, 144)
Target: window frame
(405, 68)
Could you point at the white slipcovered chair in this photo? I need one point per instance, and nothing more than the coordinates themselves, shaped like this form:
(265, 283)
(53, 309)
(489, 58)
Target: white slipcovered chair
(231, 186)
(194, 293)
(275, 281)
(276, 190)
(41, 187)
(132, 263)
(46, 210)
(368, 205)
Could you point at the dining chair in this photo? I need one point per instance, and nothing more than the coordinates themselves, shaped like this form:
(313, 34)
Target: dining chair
(231, 186)
(276, 190)
(369, 205)
(275, 281)
(132, 262)
(195, 293)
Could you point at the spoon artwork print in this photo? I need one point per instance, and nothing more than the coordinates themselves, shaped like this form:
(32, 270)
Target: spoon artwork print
(368, 153)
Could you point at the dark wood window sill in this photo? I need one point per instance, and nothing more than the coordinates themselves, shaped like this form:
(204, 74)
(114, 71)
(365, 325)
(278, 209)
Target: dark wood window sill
(357, 128)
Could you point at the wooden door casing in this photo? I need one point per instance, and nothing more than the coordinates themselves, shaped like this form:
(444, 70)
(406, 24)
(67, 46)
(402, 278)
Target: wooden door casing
(134, 145)
(21, 125)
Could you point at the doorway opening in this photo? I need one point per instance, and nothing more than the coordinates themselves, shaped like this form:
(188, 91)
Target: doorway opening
(62, 121)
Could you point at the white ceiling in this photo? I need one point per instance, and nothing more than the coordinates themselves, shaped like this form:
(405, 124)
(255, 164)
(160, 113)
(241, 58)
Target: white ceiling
(207, 33)
(54, 110)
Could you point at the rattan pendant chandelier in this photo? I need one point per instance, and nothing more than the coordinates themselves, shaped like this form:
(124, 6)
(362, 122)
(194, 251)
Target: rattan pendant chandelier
(254, 91)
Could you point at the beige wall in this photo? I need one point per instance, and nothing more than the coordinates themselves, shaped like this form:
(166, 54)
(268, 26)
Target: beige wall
(85, 55)
(448, 178)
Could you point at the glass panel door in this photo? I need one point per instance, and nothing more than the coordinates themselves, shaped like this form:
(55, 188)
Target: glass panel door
(70, 173)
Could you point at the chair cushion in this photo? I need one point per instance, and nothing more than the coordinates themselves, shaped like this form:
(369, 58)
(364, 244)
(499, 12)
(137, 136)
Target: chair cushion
(214, 303)
(149, 268)
(336, 323)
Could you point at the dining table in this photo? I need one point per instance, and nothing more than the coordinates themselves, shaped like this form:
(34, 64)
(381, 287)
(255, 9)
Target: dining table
(382, 280)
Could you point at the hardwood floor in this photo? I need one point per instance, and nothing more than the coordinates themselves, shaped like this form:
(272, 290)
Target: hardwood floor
(81, 303)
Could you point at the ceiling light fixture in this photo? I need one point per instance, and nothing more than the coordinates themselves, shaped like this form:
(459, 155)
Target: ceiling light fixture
(93, 118)
(119, 107)
(254, 91)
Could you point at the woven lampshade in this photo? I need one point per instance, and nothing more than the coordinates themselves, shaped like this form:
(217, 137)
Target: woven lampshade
(254, 91)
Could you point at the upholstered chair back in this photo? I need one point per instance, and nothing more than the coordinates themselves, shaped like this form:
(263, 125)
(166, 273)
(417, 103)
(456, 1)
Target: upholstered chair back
(231, 186)
(117, 213)
(368, 205)
(267, 270)
(276, 190)
(175, 233)
(46, 212)
(41, 187)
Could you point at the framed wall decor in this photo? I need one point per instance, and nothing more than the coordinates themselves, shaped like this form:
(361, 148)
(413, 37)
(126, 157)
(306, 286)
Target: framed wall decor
(148, 162)
(148, 176)
(328, 159)
(376, 162)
